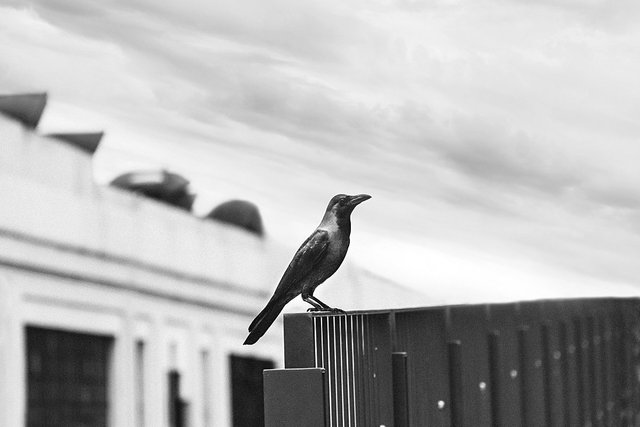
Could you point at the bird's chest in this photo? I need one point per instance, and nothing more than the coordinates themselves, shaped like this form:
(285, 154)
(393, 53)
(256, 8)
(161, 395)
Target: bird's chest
(335, 254)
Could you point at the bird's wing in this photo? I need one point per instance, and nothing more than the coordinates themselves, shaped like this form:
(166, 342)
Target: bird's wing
(312, 251)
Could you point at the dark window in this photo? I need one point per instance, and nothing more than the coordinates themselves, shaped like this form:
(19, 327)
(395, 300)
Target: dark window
(246, 390)
(67, 378)
(178, 407)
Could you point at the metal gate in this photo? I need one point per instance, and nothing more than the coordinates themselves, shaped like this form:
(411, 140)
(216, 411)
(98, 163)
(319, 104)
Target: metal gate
(528, 364)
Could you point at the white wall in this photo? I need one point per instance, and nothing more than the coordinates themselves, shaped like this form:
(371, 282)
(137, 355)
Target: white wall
(47, 191)
(98, 260)
(60, 303)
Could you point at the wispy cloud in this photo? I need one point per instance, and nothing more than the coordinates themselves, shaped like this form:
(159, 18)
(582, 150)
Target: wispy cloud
(503, 128)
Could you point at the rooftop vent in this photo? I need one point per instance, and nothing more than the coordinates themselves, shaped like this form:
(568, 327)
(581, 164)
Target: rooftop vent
(26, 108)
(87, 142)
(161, 185)
(239, 213)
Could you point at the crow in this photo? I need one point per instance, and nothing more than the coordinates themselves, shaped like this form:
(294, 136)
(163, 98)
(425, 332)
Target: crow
(316, 260)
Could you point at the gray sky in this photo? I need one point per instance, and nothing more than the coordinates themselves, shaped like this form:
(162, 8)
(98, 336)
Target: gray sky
(498, 138)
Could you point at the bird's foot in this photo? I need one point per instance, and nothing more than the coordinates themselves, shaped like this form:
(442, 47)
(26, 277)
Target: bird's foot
(326, 310)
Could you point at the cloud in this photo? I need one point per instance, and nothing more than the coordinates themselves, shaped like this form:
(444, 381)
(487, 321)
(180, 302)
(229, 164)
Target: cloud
(40, 56)
(501, 125)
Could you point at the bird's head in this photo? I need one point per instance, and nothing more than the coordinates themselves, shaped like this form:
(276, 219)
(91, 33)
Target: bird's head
(342, 205)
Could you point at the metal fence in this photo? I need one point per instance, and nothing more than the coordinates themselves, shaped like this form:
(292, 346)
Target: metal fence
(530, 364)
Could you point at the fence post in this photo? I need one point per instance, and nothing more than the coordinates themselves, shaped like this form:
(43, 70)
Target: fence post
(295, 397)
(455, 378)
(400, 390)
(299, 345)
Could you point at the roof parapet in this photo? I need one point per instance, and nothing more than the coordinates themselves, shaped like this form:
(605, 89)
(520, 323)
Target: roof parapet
(87, 141)
(161, 185)
(26, 108)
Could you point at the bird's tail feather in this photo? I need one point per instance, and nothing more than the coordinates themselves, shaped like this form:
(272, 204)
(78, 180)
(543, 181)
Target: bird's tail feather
(260, 315)
(263, 320)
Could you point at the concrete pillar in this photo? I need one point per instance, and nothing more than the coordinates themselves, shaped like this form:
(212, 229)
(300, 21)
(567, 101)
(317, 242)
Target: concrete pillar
(13, 385)
(122, 411)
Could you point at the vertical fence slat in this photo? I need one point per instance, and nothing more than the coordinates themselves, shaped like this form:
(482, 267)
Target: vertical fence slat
(608, 369)
(503, 322)
(469, 326)
(555, 349)
(631, 344)
(339, 349)
(590, 374)
(422, 335)
(350, 371)
(456, 384)
(597, 382)
(634, 307)
(621, 366)
(581, 365)
(547, 376)
(370, 403)
(361, 369)
(333, 372)
(533, 369)
(381, 350)
(524, 377)
(495, 382)
(400, 390)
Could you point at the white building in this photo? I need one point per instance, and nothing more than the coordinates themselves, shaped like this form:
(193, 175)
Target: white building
(115, 310)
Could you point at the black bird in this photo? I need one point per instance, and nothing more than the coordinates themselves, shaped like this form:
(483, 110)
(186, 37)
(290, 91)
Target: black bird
(316, 260)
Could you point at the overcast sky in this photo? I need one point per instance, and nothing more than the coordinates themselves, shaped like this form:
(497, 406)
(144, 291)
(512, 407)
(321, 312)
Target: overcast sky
(500, 139)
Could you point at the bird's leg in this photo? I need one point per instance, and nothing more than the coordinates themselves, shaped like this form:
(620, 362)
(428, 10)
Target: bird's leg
(327, 308)
(317, 303)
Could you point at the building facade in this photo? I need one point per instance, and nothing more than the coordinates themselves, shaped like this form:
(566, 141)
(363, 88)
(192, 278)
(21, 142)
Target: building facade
(116, 310)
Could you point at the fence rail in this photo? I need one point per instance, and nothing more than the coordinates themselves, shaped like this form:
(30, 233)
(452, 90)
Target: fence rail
(529, 364)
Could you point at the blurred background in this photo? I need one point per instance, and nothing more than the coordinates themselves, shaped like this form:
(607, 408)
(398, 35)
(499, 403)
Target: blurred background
(161, 163)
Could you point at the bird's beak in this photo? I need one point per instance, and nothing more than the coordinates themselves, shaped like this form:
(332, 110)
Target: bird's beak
(356, 200)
